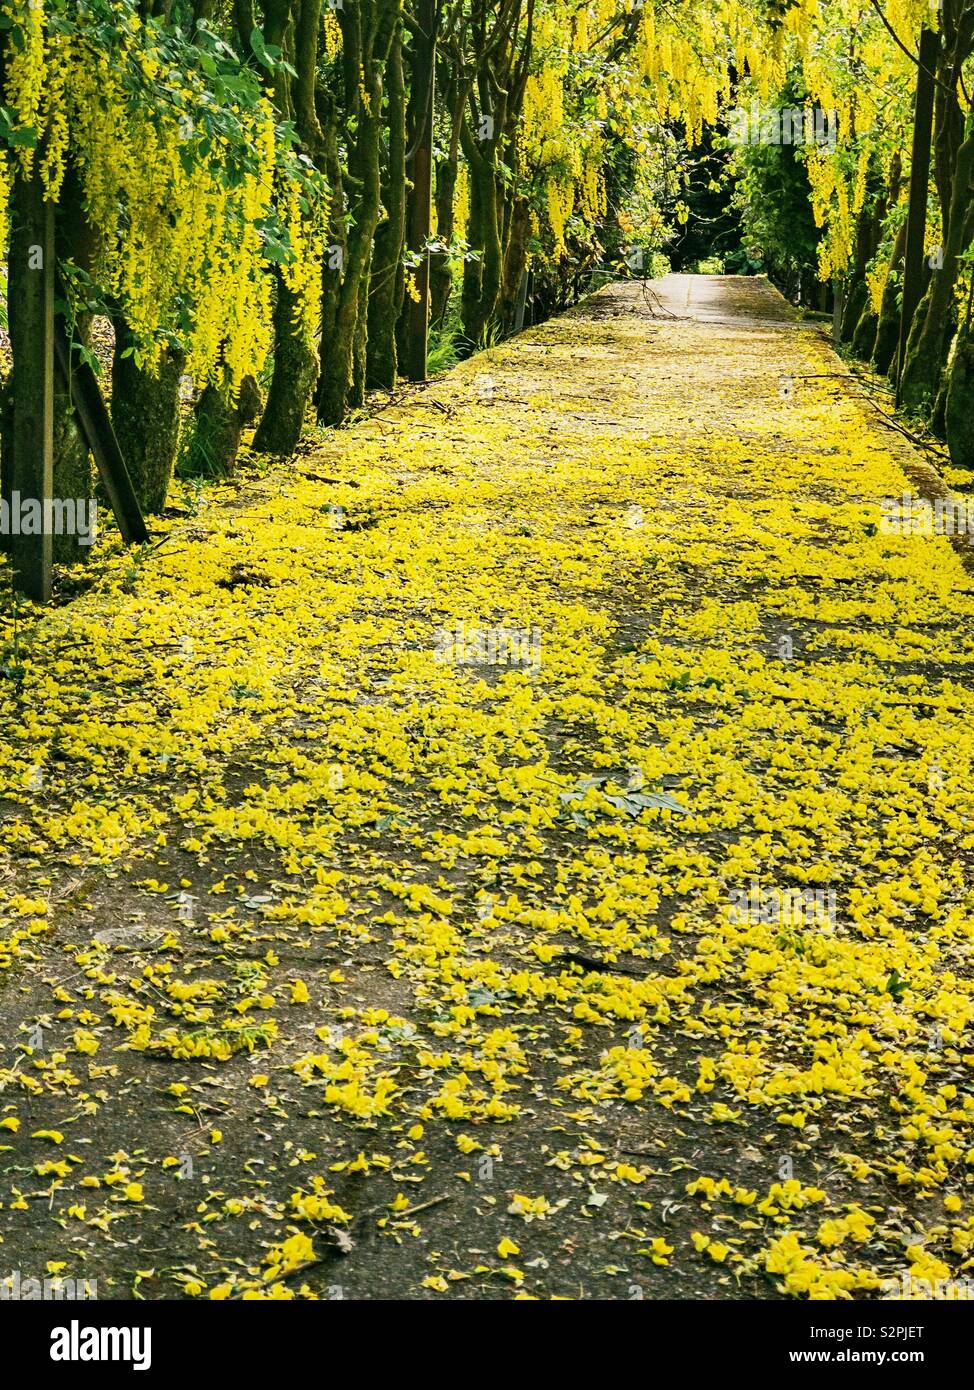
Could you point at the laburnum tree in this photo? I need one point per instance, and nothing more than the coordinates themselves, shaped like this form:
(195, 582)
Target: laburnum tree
(235, 185)
(176, 194)
(251, 192)
(859, 60)
(233, 193)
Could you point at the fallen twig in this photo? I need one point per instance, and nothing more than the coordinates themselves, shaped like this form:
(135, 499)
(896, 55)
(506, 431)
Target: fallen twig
(589, 963)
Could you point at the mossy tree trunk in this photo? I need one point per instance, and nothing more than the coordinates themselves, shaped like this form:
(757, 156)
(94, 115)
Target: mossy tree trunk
(488, 138)
(455, 90)
(367, 32)
(218, 422)
(441, 276)
(922, 387)
(959, 402)
(292, 381)
(888, 322)
(932, 327)
(860, 319)
(515, 262)
(343, 303)
(360, 340)
(387, 279)
(295, 362)
(864, 333)
(868, 225)
(481, 276)
(145, 414)
(956, 25)
(72, 471)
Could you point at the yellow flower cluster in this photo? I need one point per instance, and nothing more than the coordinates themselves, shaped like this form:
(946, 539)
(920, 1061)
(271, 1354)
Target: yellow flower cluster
(805, 1275)
(178, 237)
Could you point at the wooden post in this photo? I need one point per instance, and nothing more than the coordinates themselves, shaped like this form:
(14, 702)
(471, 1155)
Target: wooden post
(521, 302)
(95, 424)
(40, 347)
(31, 318)
(916, 220)
(420, 202)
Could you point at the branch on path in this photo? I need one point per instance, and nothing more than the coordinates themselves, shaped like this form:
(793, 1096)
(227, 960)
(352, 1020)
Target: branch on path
(605, 967)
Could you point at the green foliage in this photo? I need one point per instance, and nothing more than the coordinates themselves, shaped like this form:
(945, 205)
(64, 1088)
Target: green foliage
(773, 196)
(443, 351)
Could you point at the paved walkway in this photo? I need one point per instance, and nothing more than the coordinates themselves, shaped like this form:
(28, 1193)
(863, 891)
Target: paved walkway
(520, 850)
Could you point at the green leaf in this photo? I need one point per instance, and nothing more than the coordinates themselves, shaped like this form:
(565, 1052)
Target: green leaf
(259, 47)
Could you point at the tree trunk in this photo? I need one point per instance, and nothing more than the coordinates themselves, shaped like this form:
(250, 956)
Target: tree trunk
(888, 324)
(413, 326)
(930, 335)
(959, 407)
(293, 379)
(515, 261)
(360, 341)
(337, 381)
(387, 280)
(145, 415)
(481, 278)
(72, 471)
(447, 168)
(211, 450)
(345, 283)
(441, 278)
(864, 334)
